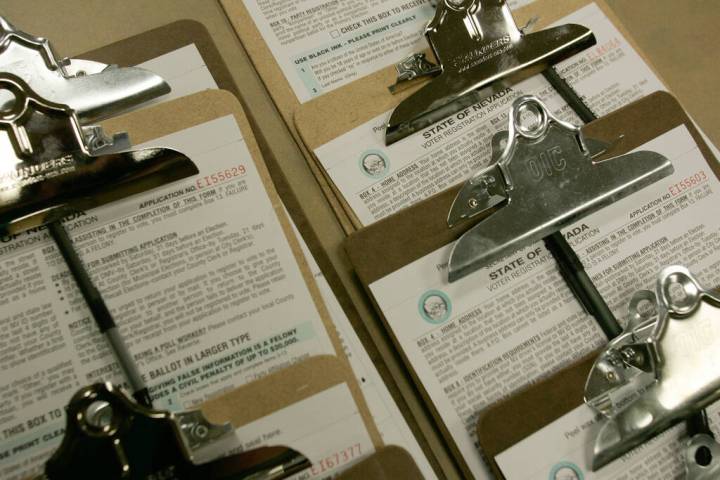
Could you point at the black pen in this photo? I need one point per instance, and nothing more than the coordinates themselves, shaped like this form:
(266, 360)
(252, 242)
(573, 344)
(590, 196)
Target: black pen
(100, 312)
(571, 267)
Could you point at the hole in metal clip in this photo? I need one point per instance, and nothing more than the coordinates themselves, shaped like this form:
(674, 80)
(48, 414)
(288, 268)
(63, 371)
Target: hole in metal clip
(8, 101)
(455, 3)
(703, 456)
(681, 293)
(99, 415)
(531, 119)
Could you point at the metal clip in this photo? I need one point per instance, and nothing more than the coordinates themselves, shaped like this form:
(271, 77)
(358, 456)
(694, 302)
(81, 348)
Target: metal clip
(197, 431)
(92, 90)
(661, 370)
(626, 366)
(109, 436)
(480, 50)
(544, 180)
(47, 170)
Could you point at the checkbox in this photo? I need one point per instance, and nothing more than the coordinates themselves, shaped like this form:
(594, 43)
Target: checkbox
(335, 34)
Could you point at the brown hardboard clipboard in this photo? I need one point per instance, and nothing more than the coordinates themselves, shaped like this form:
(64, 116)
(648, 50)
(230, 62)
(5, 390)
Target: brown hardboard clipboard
(280, 92)
(398, 240)
(280, 389)
(164, 39)
(175, 115)
(370, 97)
(517, 417)
(294, 384)
(158, 41)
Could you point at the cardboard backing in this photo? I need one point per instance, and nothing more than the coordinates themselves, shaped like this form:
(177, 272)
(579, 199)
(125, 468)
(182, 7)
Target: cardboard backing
(388, 463)
(519, 416)
(278, 390)
(159, 41)
(164, 39)
(398, 240)
(292, 385)
(166, 118)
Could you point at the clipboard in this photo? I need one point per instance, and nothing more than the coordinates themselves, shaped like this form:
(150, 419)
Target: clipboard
(371, 98)
(278, 390)
(383, 248)
(507, 423)
(291, 385)
(159, 41)
(75, 28)
(500, 426)
(166, 118)
(167, 38)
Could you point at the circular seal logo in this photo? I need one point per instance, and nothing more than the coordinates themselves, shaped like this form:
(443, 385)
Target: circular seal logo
(434, 306)
(566, 471)
(374, 164)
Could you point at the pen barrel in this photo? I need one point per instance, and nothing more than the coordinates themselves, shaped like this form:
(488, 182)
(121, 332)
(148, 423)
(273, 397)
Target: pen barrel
(128, 366)
(100, 312)
(570, 96)
(571, 268)
(573, 272)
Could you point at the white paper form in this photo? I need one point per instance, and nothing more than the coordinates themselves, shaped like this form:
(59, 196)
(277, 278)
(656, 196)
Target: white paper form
(321, 45)
(475, 341)
(378, 180)
(206, 301)
(563, 450)
(185, 71)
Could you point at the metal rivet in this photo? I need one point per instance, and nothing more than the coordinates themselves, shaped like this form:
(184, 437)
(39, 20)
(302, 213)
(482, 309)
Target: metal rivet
(99, 415)
(201, 431)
